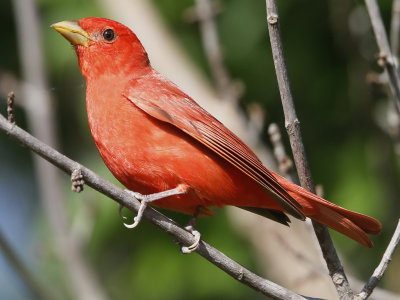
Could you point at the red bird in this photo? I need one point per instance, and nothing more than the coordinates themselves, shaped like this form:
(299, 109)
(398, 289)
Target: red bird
(158, 141)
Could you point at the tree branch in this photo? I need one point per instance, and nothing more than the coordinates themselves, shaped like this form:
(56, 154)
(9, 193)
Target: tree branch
(380, 270)
(385, 58)
(393, 112)
(213, 255)
(292, 125)
(395, 28)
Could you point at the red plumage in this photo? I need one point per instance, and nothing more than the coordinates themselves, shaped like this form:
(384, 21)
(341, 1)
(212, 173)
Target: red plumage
(153, 137)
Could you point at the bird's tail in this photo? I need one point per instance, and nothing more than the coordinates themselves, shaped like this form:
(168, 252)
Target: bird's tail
(354, 225)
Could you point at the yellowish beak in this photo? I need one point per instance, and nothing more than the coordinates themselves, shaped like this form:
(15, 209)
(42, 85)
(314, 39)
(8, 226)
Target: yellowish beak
(72, 32)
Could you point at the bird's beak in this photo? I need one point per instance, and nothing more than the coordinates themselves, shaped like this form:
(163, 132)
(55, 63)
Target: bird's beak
(72, 32)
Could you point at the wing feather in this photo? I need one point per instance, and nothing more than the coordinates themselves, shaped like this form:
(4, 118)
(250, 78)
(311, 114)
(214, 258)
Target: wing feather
(165, 102)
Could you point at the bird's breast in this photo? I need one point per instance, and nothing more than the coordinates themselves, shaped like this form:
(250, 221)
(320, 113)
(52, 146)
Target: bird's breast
(127, 140)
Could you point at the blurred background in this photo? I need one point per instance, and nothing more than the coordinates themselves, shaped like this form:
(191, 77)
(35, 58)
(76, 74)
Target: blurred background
(74, 246)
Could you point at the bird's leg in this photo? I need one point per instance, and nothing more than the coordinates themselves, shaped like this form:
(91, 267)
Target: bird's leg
(190, 227)
(144, 199)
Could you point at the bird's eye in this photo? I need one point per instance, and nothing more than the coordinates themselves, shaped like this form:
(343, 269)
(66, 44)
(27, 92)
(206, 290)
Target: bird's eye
(108, 34)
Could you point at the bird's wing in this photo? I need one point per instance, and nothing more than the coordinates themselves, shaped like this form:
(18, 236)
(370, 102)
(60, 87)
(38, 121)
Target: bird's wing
(164, 101)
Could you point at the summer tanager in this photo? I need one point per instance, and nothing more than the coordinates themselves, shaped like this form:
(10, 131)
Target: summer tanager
(155, 138)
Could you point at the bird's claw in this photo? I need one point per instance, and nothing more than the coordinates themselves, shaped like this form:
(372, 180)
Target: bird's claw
(136, 220)
(142, 207)
(195, 245)
(135, 223)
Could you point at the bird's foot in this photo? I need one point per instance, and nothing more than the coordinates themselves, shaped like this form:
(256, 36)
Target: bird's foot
(190, 228)
(193, 247)
(145, 199)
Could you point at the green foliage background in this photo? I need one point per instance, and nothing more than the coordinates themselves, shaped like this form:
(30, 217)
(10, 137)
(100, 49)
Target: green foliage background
(329, 50)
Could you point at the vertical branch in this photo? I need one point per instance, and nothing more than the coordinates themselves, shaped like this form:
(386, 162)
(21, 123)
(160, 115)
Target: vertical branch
(292, 125)
(40, 115)
(386, 58)
(395, 28)
(205, 14)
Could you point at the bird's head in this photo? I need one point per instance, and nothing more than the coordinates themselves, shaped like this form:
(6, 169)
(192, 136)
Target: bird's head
(104, 46)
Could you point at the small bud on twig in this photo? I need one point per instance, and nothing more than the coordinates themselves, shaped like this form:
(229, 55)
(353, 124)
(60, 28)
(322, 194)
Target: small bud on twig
(382, 59)
(10, 107)
(77, 181)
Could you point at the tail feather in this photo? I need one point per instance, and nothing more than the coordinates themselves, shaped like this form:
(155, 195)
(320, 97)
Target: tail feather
(326, 216)
(366, 223)
(352, 224)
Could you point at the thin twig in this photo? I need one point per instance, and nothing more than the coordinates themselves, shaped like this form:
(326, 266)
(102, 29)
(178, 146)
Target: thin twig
(285, 163)
(395, 28)
(25, 274)
(380, 270)
(385, 58)
(179, 234)
(292, 125)
(393, 116)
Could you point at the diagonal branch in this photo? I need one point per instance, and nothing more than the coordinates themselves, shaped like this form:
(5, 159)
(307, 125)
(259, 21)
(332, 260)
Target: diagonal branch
(292, 125)
(213, 255)
(381, 268)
